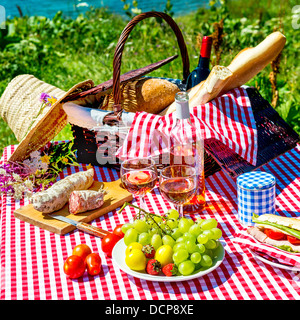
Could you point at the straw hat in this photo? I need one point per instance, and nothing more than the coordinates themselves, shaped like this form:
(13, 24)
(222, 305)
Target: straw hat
(20, 107)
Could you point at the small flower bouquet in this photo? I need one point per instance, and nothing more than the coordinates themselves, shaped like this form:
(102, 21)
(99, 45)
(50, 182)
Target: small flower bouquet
(40, 170)
(36, 173)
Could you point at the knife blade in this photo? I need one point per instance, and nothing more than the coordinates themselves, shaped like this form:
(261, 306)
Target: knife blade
(95, 231)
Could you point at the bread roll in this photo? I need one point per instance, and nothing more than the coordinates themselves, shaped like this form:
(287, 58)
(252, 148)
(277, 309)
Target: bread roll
(280, 220)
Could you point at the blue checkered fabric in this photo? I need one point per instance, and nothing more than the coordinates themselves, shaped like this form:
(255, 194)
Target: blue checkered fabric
(256, 194)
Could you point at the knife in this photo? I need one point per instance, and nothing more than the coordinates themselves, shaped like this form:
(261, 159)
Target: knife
(95, 231)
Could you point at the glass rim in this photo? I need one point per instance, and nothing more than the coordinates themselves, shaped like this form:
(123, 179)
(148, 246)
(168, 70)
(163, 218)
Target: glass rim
(179, 165)
(141, 158)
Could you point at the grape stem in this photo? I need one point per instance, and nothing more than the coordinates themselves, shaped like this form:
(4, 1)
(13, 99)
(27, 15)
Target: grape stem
(147, 215)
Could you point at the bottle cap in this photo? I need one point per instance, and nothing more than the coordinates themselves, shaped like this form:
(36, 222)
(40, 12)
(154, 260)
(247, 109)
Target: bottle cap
(182, 105)
(206, 47)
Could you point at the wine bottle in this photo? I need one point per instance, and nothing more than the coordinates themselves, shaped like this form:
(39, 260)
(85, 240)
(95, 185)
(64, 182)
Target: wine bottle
(187, 149)
(202, 70)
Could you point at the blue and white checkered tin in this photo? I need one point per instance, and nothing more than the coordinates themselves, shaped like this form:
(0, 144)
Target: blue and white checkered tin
(256, 194)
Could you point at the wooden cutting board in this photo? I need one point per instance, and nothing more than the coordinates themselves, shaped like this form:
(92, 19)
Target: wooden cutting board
(115, 197)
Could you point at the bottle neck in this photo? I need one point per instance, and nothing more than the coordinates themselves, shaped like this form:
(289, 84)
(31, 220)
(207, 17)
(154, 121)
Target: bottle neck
(203, 63)
(182, 110)
(182, 105)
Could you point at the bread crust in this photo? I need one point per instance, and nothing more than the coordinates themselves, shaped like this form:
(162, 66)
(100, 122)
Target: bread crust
(146, 94)
(250, 61)
(280, 220)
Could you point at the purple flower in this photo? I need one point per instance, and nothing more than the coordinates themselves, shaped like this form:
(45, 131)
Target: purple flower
(44, 97)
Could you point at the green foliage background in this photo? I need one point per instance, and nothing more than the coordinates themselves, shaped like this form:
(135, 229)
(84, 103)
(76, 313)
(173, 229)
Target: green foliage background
(63, 51)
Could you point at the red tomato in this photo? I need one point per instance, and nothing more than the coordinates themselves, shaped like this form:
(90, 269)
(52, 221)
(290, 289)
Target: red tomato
(108, 242)
(82, 250)
(74, 267)
(293, 240)
(275, 235)
(118, 231)
(93, 264)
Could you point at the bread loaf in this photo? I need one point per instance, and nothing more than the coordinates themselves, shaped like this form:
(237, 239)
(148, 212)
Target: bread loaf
(145, 94)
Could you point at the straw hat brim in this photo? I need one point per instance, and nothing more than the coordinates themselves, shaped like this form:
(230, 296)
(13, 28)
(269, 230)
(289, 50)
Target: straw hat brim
(48, 124)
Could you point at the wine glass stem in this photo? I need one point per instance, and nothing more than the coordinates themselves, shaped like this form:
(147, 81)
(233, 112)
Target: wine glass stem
(180, 210)
(142, 202)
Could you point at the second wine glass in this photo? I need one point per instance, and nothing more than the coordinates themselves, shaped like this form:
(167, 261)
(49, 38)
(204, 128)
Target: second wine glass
(178, 184)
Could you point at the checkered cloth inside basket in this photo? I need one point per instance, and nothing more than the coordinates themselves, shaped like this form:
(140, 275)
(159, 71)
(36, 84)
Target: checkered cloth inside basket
(248, 242)
(228, 118)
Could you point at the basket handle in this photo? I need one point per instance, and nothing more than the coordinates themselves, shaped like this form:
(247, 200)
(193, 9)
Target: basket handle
(120, 46)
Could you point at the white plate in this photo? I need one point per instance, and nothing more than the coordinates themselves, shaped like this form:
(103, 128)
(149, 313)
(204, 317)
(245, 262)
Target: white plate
(273, 264)
(118, 256)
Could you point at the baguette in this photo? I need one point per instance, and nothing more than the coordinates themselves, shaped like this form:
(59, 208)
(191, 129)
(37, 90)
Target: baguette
(206, 90)
(246, 64)
(250, 61)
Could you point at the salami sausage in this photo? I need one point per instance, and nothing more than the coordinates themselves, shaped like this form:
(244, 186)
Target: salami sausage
(58, 194)
(85, 200)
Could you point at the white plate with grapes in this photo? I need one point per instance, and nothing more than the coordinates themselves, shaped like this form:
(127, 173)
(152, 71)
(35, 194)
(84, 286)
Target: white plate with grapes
(194, 247)
(118, 255)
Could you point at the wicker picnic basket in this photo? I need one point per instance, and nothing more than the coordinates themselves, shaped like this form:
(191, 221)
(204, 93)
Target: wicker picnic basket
(275, 136)
(87, 142)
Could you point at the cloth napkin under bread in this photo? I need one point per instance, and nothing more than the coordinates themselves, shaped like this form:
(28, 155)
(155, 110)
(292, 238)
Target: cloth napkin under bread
(246, 241)
(228, 118)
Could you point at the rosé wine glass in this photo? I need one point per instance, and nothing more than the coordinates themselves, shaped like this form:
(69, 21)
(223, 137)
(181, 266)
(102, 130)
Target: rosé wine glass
(178, 184)
(139, 176)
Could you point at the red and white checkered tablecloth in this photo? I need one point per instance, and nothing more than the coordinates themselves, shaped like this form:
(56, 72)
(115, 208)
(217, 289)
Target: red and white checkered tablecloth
(32, 259)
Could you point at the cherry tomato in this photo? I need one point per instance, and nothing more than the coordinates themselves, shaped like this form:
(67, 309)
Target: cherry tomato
(108, 242)
(74, 267)
(293, 240)
(82, 250)
(275, 235)
(136, 260)
(93, 264)
(118, 231)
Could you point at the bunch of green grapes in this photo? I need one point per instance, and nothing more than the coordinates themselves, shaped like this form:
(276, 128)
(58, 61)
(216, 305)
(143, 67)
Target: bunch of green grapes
(193, 243)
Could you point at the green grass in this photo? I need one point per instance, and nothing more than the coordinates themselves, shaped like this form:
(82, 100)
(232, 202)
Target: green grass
(63, 52)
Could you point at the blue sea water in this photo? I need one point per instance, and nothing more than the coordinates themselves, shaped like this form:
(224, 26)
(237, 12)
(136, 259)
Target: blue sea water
(72, 8)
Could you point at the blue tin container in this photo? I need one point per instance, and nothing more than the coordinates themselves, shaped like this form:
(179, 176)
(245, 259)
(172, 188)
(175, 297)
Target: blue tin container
(256, 194)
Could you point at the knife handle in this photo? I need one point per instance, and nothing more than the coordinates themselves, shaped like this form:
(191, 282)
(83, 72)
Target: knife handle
(95, 231)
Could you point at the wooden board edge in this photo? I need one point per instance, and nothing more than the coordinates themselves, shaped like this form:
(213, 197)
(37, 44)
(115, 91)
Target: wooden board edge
(68, 227)
(44, 226)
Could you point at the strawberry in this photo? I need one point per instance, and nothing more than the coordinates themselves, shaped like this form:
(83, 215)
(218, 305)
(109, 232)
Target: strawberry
(148, 251)
(153, 267)
(169, 270)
